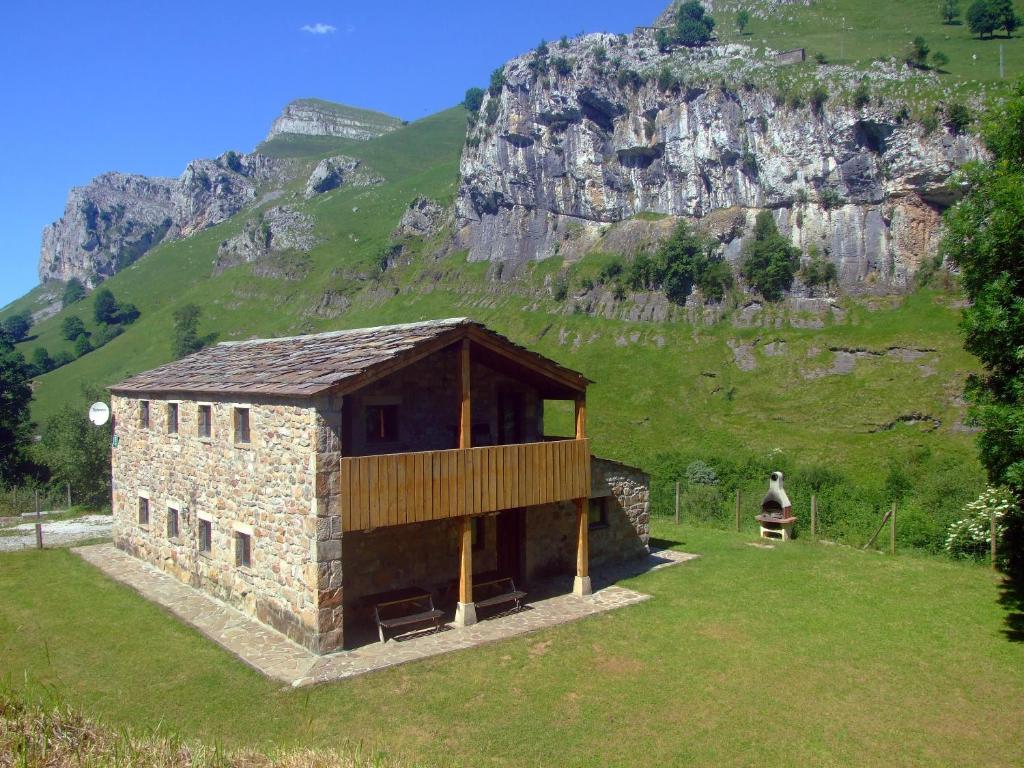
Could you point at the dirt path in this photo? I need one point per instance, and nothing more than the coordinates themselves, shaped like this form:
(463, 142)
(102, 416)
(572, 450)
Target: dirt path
(55, 533)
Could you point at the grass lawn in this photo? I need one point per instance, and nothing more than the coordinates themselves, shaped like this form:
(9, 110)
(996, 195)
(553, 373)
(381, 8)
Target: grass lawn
(803, 654)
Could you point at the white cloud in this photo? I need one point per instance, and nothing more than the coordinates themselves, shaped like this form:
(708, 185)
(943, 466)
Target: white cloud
(319, 28)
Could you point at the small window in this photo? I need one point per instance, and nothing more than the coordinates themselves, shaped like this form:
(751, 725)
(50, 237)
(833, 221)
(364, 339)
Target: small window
(241, 425)
(143, 511)
(381, 423)
(597, 512)
(205, 536)
(172, 418)
(205, 421)
(243, 549)
(144, 414)
(478, 533)
(172, 523)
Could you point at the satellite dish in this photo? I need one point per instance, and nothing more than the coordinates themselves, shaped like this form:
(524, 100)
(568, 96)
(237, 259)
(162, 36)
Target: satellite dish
(99, 414)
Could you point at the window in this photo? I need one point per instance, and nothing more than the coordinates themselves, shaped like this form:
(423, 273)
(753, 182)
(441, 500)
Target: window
(381, 423)
(205, 421)
(143, 511)
(205, 536)
(241, 425)
(478, 533)
(172, 418)
(172, 523)
(144, 414)
(243, 549)
(597, 512)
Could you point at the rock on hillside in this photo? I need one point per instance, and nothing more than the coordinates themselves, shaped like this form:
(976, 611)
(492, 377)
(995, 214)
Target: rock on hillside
(559, 155)
(314, 117)
(333, 172)
(117, 217)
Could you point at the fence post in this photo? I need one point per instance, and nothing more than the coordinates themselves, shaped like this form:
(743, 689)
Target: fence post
(39, 525)
(737, 510)
(814, 515)
(677, 502)
(892, 530)
(992, 526)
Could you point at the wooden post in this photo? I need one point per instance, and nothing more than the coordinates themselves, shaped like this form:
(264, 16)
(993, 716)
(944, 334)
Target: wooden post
(581, 584)
(737, 510)
(581, 416)
(992, 533)
(465, 412)
(465, 612)
(677, 502)
(39, 524)
(814, 515)
(892, 530)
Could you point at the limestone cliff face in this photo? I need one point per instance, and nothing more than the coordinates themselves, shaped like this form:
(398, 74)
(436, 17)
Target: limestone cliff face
(313, 117)
(556, 157)
(115, 218)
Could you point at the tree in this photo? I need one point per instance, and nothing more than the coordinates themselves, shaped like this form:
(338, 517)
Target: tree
(15, 424)
(770, 261)
(1007, 17)
(939, 60)
(16, 327)
(82, 345)
(497, 81)
(41, 361)
(985, 238)
(917, 52)
(104, 306)
(474, 99)
(982, 18)
(949, 10)
(958, 117)
(78, 452)
(186, 330)
(73, 291)
(742, 20)
(693, 24)
(72, 327)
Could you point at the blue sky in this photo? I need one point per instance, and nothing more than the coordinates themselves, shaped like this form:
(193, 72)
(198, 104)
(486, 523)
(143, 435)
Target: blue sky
(146, 87)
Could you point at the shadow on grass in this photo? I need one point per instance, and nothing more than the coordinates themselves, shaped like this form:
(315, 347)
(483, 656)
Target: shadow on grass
(656, 543)
(1011, 598)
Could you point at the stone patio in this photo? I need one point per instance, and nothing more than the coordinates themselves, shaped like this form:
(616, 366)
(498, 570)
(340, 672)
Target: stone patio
(280, 659)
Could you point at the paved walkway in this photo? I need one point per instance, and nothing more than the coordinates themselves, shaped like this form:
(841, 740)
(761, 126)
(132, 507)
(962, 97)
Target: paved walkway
(56, 533)
(277, 657)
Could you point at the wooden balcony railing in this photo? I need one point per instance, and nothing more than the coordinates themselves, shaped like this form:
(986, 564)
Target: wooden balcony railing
(400, 488)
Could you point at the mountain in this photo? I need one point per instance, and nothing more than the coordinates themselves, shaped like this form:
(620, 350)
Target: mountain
(316, 117)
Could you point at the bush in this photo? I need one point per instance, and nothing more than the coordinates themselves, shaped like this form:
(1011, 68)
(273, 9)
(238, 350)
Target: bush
(949, 10)
(770, 261)
(542, 48)
(819, 95)
(106, 334)
(562, 65)
(818, 271)
(742, 20)
(73, 291)
(186, 339)
(610, 271)
(474, 99)
(693, 24)
(630, 78)
(829, 198)
(563, 43)
(971, 536)
(821, 58)
(600, 54)
(917, 52)
(104, 306)
(497, 81)
(939, 60)
(41, 361)
(560, 287)
(82, 345)
(861, 95)
(701, 473)
(16, 327)
(491, 113)
(62, 358)
(958, 117)
(667, 81)
(72, 327)
(701, 503)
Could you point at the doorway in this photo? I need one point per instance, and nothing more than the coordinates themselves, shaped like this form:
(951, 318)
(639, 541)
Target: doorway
(511, 543)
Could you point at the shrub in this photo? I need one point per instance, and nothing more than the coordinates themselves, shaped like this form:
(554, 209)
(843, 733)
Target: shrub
(958, 117)
(971, 536)
(562, 65)
(474, 99)
(701, 473)
(563, 43)
(107, 333)
(742, 20)
(41, 361)
(819, 95)
(560, 287)
(497, 81)
(618, 291)
(491, 113)
(861, 95)
(701, 503)
(829, 198)
(664, 39)
(600, 54)
(233, 161)
(818, 271)
(939, 59)
(693, 24)
(917, 52)
(667, 81)
(16, 327)
(770, 261)
(73, 291)
(630, 78)
(82, 345)
(72, 327)
(542, 48)
(186, 339)
(104, 306)
(610, 271)
(62, 358)
(821, 58)
(930, 123)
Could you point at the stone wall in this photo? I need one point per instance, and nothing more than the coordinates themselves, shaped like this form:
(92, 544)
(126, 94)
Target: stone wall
(265, 488)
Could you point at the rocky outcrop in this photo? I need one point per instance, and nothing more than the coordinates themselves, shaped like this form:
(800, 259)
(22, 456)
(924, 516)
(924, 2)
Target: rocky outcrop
(276, 230)
(566, 151)
(333, 172)
(117, 217)
(314, 117)
(423, 218)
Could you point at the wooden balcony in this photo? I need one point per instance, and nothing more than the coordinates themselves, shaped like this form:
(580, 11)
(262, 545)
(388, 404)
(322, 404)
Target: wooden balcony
(401, 488)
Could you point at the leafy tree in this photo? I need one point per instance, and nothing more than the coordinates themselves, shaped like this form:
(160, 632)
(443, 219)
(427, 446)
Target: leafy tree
(693, 24)
(742, 20)
(949, 10)
(186, 330)
(82, 345)
(15, 424)
(16, 327)
(62, 358)
(72, 327)
(107, 334)
(770, 261)
(41, 361)
(78, 452)
(939, 59)
(73, 291)
(104, 306)
(497, 81)
(474, 99)
(127, 313)
(982, 18)
(1006, 15)
(917, 52)
(985, 239)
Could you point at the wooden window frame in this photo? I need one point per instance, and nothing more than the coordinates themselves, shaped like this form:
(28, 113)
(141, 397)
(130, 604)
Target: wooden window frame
(602, 518)
(243, 549)
(144, 414)
(173, 514)
(206, 408)
(172, 423)
(205, 528)
(143, 511)
(243, 436)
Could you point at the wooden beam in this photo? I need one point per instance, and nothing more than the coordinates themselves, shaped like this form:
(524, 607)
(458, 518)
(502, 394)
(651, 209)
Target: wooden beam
(581, 584)
(581, 416)
(465, 611)
(465, 413)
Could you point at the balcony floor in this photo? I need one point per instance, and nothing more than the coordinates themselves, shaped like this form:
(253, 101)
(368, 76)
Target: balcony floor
(277, 657)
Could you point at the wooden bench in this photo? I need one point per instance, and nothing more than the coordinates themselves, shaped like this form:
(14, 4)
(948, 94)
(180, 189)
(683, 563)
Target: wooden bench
(406, 611)
(497, 592)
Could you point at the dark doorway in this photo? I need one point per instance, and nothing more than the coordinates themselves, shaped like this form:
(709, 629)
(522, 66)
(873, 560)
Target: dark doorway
(510, 418)
(511, 541)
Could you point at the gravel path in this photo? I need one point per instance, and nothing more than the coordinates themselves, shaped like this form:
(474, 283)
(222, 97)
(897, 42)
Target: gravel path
(56, 533)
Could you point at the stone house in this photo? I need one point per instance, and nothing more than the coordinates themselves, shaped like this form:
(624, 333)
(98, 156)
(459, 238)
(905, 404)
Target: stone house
(297, 478)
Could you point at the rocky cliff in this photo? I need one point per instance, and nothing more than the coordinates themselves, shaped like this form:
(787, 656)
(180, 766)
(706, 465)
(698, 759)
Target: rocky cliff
(314, 117)
(579, 141)
(115, 218)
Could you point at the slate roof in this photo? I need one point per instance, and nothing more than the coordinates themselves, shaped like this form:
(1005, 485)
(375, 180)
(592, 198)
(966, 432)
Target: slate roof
(311, 365)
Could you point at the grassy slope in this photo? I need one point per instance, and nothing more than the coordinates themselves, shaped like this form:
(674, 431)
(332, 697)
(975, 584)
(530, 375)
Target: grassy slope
(864, 659)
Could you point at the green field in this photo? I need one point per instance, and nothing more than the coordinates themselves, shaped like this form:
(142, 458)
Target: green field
(805, 654)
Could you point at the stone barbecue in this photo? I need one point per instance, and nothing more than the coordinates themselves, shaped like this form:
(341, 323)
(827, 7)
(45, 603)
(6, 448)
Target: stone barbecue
(776, 518)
